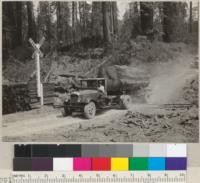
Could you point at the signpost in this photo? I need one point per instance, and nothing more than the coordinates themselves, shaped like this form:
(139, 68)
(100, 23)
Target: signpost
(37, 54)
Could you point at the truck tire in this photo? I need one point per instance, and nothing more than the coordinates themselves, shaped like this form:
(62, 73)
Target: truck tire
(90, 110)
(125, 101)
(66, 112)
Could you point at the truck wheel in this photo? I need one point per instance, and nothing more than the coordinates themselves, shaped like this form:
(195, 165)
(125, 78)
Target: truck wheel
(125, 101)
(90, 110)
(66, 112)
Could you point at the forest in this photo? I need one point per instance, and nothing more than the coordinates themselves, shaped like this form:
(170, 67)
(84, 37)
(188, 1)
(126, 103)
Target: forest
(67, 25)
(150, 46)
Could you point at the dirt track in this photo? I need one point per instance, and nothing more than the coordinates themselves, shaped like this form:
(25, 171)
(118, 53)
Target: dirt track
(25, 125)
(142, 123)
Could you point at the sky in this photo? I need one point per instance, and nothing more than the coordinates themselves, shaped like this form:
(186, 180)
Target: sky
(122, 7)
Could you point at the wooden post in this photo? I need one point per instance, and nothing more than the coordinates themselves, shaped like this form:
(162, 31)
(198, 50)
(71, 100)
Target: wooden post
(42, 95)
(37, 54)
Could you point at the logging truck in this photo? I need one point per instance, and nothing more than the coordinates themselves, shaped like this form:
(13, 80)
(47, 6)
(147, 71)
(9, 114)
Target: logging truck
(88, 98)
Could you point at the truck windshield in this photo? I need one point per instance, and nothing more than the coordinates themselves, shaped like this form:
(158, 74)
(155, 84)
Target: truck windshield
(89, 84)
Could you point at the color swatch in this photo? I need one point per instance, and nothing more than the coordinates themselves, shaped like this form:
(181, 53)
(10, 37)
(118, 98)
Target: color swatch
(157, 163)
(101, 164)
(119, 164)
(138, 163)
(42, 164)
(82, 164)
(176, 163)
(100, 157)
(22, 164)
(62, 164)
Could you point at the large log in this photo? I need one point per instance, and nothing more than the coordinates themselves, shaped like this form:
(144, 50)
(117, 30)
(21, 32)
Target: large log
(123, 78)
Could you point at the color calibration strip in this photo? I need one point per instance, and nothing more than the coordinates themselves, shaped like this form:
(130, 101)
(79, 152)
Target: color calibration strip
(99, 157)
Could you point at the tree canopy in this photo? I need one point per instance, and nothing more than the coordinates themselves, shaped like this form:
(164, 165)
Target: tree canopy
(96, 24)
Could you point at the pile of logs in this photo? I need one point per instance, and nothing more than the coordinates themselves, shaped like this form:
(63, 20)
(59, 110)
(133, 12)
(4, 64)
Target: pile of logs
(23, 97)
(15, 98)
(49, 93)
(32, 92)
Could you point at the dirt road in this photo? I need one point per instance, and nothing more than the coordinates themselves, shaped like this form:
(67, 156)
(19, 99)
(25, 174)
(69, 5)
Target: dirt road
(141, 123)
(23, 125)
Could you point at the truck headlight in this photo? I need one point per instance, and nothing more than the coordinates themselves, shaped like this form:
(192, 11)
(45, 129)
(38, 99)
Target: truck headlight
(87, 100)
(79, 99)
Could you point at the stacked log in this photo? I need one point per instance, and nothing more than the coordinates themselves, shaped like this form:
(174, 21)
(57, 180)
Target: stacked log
(49, 93)
(23, 97)
(15, 98)
(32, 92)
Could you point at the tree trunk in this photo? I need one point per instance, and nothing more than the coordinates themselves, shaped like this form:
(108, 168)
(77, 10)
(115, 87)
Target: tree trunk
(84, 20)
(6, 32)
(76, 20)
(136, 20)
(73, 22)
(97, 15)
(146, 12)
(58, 23)
(19, 23)
(81, 19)
(106, 22)
(115, 20)
(168, 20)
(31, 21)
(111, 19)
(10, 24)
(190, 26)
(48, 23)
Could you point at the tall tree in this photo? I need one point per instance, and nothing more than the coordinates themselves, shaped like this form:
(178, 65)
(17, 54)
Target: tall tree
(44, 20)
(146, 11)
(12, 24)
(19, 22)
(136, 21)
(167, 24)
(114, 17)
(31, 21)
(74, 20)
(87, 19)
(106, 22)
(8, 18)
(190, 22)
(96, 23)
(58, 13)
(173, 19)
(97, 19)
(65, 11)
(63, 23)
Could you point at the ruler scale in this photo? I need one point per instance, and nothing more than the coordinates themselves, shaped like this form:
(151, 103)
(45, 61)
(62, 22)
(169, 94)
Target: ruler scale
(100, 177)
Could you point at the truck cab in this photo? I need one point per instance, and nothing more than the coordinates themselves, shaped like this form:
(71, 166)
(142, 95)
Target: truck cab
(93, 83)
(87, 98)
